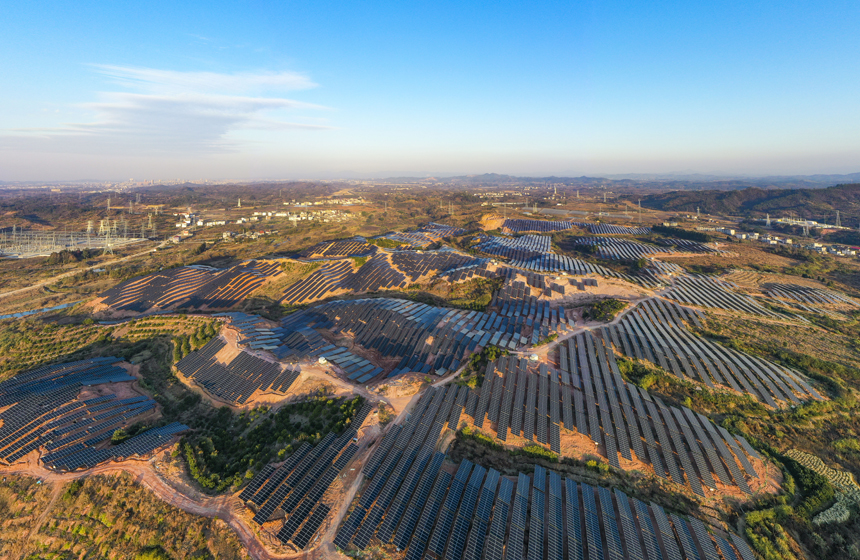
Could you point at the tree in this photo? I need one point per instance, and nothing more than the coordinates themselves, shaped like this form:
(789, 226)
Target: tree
(119, 436)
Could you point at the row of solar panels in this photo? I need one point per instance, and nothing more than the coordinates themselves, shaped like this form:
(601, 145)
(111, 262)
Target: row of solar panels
(515, 299)
(394, 469)
(708, 292)
(297, 487)
(620, 249)
(595, 401)
(81, 456)
(689, 245)
(336, 249)
(410, 500)
(42, 408)
(191, 286)
(425, 338)
(427, 235)
(240, 378)
(807, 294)
(652, 331)
(522, 226)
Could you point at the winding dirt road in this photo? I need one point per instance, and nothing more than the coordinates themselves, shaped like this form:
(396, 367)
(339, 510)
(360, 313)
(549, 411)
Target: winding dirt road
(54, 279)
(226, 508)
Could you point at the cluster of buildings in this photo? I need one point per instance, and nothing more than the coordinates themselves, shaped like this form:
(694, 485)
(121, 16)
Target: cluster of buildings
(835, 250)
(191, 219)
(338, 201)
(326, 216)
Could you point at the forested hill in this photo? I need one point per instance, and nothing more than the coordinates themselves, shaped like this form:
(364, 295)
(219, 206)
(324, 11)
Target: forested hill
(816, 204)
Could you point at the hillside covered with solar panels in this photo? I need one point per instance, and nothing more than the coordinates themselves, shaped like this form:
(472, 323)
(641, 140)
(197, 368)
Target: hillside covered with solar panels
(539, 386)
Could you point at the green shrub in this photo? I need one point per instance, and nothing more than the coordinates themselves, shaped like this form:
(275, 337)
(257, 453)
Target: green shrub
(847, 445)
(534, 450)
(603, 310)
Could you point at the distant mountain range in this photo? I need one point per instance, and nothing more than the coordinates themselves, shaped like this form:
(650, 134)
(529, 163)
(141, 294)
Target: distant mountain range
(818, 204)
(647, 181)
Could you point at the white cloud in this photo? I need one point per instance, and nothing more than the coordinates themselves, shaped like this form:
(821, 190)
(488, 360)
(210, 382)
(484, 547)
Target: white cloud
(169, 81)
(177, 113)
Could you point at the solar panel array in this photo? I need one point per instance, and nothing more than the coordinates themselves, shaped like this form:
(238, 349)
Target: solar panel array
(805, 294)
(620, 249)
(425, 338)
(297, 487)
(254, 331)
(190, 286)
(237, 380)
(514, 299)
(521, 247)
(85, 457)
(706, 291)
(654, 330)
(428, 512)
(382, 271)
(609, 229)
(521, 226)
(405, 454)
(356, 368)
(689, 246)
(426, 235)
(43, 409)
(589, 396)
(533, 252)
(338, 249)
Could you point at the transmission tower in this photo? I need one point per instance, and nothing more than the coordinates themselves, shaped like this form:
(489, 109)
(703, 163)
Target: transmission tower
(108, 244)
(838, 221)
(108, 205)
(767, 221)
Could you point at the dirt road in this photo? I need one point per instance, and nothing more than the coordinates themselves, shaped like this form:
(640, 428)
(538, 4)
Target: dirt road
(54, 279)
(225, 508)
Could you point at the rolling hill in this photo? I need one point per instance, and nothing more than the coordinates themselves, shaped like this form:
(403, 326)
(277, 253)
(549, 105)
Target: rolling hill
(816, 204)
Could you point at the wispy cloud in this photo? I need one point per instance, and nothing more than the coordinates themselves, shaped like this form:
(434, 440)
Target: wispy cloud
(172, 81)
(165, 111)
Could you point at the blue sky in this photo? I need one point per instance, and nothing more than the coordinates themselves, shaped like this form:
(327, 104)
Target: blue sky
(367, 89)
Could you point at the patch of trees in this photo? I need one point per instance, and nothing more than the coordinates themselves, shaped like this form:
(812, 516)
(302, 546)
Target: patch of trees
(603, 310)
(226, 449)
(681, 233)
(183, 344)
(67, 257)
